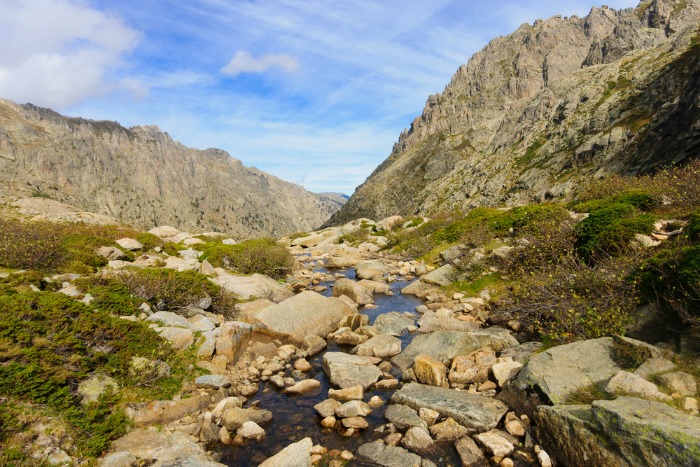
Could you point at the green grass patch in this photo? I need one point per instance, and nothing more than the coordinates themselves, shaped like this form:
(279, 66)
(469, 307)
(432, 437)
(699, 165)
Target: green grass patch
(473, 287)
(530, 153)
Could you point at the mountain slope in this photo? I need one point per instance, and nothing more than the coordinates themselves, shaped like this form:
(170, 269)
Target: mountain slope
(536, 113)
(141, 176)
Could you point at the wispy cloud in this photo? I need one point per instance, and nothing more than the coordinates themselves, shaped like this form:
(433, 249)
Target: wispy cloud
(243, 62)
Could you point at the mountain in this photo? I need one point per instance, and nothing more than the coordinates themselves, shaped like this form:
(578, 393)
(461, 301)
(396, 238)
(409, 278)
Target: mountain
(536, 113)
(142, 177)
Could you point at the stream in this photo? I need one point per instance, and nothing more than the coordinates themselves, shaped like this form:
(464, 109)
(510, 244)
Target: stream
(295, 418)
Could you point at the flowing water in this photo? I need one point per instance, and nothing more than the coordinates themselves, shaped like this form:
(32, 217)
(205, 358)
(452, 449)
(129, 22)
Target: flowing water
(295, 418)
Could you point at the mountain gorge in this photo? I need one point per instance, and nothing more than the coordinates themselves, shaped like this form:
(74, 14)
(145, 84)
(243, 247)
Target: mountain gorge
(538, 113)
(143, 177)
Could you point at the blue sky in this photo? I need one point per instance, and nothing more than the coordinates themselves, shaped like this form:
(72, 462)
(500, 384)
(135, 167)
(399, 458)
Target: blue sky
(314, 92)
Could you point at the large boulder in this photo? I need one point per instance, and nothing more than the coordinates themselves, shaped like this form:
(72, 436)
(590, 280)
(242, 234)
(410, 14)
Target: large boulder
(393, 323)
(475, 412)
(233, 418)
(308, 313)
(253, 286)
(353, 290)
(163, 447)
(445, 345)
(295, 455)
(370, 269)
(378, 453)
(346, 370)
(444, 275)
(163, 412)
(623, 432)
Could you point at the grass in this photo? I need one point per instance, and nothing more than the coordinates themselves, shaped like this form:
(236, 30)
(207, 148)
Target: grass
(530, 153)
(473, 287)
(261, 256)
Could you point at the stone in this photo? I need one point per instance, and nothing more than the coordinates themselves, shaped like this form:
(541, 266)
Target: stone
(442, 276)
(475, 412)
(445, 345)
(494, 443)
(225, 436)
(472, 368)
(521, 353)
(251, 430)
(305, 314)
(305, 386)
(470, 454)
(353, 290)
(376, 402)
(378, 453)
(370, 269)
(376, 287)
(145, 368)
(226, 403)
(690, 404)
(430, 371)
(302, 365)
(544, 459)
(393, 323)
(417, 439)
(515, 427)
(313, 344)
(209, 434)
(199, 323)
(110, 253)
(420, 289)
(355, 422)
(386, 384)
(381, 346)
(233, 418)
(328, 422)
(130, 244)
(92, 388)
(345, 336)
(327, 407)
(654, 366)
(624, 383)
(449, 430)
(679, 382)
(277, 380)
(346, 370)
(212, 382)
(233, 335)
(118, 459)
(353, 409)
(393, 439)
(504, 371)
(347, 394)
(295, 455)
(164, 448)
(164, 231)
(429, 416)
(168, 318)
(403, 417)
(164, 412)
(247, 311)
(252, 286)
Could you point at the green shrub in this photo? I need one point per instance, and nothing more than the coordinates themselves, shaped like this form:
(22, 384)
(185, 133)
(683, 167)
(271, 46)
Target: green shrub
(355, 237)
(29, 245)
(638, 199)
(692, 230)
(261, 256)
(629, 356)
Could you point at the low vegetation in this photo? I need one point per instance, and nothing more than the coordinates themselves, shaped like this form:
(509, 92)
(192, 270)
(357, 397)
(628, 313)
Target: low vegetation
(261, 256)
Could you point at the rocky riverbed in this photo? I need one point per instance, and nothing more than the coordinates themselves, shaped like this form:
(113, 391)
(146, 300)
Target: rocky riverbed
(363, 358)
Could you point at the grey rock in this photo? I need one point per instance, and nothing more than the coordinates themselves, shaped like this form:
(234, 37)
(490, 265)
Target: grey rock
(470, 454)
(130, 244)
(233, 418)
(378, 453)
(353, 290)
(179, 338)
(624, 383)
(654, 366)
(163, 412)
(166, 448)
(393, 323)
(444, 275)
(521, 353)
(252, 286)
(110, 253)
(295, 455)
(346, 370)
(314, 344)
(403, 417)
(381, 346)
(475, 412)
(327, 407)
(168, 318)
(679, 382)
(417, 439)
(353, 408)
(212, 381)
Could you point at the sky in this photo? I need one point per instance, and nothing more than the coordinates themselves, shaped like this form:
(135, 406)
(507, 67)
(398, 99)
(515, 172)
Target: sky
(314, 92)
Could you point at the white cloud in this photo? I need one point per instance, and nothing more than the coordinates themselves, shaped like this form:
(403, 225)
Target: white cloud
(243, 62)
(58, 52)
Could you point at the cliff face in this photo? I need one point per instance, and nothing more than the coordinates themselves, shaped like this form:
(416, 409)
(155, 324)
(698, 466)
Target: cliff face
(142, 177)
(535, 113)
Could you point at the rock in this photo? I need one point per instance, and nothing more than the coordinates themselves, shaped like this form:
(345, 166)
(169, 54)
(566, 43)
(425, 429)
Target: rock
(92, 388)
(303, 315)
(352, 289)
(494, 443)
(417, 439)
(624, 383)
(346, 371)
(504, 371)
(445, 345)
(378, 453)
(110, 253)
(430, 371)
(444, 275)
(209, 433)
(164, 231)
(149, 369)
(475, 412)
(295, 455)
(353, 409)
(544, 459)
(376, 287)
(327, 408)
(637, 432)
(345, 336)
(277, 380)
(472, 368)
(130, 244)
(381, 346)
(179, 338)
(253, 286)
(470, 454)
(403, 417)
(431, 322)
(386, 384)
(118, 459)
(428, 416)
(226, 403)
(521, 353)
(247, 311)
(233, 418)
(679, 382)
(313, 344)
(452, 253)
(347, 394)
(515, 427)
(265, 350)
(654, 366)
(199, 323)
(163, 412)
(393, 323)
(329, 422)
(449, 430)
(212, 382)
(304, 387)
(551, 376)
(370, 269)
(233, 336)
(302, 365)
(376, 402)
(355, 422)
(165, 448)
(168, 318)
(251, 430)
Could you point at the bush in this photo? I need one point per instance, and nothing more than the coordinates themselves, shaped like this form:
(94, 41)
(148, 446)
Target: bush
(30, 245)
(261, 256)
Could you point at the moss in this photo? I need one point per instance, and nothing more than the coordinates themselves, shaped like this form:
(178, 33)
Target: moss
(586, 395)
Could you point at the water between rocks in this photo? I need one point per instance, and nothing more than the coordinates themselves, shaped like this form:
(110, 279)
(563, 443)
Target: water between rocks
(295, 418)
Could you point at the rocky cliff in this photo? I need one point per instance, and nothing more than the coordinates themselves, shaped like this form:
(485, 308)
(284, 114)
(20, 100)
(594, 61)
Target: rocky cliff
(142, 177)
(554, 104)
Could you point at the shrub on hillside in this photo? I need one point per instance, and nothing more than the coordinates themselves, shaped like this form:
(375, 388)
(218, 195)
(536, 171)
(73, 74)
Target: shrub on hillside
(261, 256)
(30, 245)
